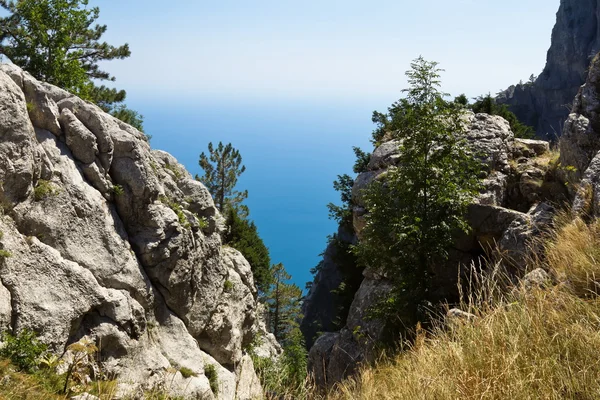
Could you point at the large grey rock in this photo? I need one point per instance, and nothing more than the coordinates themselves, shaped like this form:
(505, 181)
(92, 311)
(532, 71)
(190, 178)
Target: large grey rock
(575, 40)
(131, 266)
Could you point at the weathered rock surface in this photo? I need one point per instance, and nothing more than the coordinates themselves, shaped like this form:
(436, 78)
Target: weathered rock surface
(575, 40)
(107, 239)
(511, 164)
(321, 305)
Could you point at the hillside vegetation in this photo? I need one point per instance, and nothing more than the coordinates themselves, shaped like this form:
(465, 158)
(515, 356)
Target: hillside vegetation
(534, 341)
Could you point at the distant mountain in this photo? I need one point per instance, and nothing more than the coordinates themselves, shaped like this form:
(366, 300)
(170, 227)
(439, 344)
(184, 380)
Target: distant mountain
(545, 103)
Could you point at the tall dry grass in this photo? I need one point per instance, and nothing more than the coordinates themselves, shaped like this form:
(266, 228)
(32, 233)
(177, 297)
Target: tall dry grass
(537, 344)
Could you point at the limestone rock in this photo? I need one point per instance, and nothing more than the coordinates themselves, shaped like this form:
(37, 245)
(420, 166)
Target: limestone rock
(538, 278)
(108, 240)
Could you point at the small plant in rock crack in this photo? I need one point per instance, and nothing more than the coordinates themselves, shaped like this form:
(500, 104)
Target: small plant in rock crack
(228, 286)
(213, 378)
(186, 372)
(43, 189)
(81, 365)
(118, 190)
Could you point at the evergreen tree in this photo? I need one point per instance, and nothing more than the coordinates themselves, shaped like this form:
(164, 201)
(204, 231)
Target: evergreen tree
(284, 303)
(56, 42)
(243, 236)
(222, 167)
(416, 208)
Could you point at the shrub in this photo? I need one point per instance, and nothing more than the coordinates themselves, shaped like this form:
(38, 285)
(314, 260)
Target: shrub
(23, 349)
(213, 378)
(118, 190)
(187, 373)
(43, 189)
(5, 254)
(228, 286)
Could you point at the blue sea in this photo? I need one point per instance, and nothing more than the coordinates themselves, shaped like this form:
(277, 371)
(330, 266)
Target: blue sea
(293, 150)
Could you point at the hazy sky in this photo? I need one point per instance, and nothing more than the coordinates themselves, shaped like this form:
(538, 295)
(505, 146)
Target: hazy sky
(323, 49)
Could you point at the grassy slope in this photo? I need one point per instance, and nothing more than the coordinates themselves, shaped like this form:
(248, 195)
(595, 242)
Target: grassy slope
(539, 344)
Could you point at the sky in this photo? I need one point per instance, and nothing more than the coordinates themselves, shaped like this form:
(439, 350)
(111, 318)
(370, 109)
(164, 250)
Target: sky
(293, 85)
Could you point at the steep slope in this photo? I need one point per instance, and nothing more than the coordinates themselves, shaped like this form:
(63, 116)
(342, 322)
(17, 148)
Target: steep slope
(105, 238)
(575, 40)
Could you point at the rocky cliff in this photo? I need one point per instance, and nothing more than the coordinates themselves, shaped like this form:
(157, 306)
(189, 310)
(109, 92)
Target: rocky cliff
(545, 104)
(104, 238)
(512, 209)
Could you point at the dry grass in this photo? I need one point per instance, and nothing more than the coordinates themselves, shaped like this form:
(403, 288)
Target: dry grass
(542, 344)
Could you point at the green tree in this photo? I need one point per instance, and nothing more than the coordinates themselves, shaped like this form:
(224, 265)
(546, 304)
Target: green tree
(222, 168)
(416, 207)
(243, 236)
(56, 41)
(284, 304)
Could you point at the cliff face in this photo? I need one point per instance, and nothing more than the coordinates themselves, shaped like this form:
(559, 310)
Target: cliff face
(545, 104)
(107, 239)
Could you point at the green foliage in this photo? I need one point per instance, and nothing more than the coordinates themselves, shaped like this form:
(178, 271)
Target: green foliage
(43, 189)
(487, 104)
(222, 168)
(23, 349)
(5, 254)
(418, 206)
(55, 41)
(202, 222)
(176, 207)
(284, 305)
(362, 160)
(128, 116)
(228, 286)
(175, 170)
(243, 236)
(285, 376)
(213, 378)
(187, 373)
(342, 214)
(118, 190)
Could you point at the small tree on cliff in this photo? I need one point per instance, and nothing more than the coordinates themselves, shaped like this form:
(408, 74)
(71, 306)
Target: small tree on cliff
(414, 209)
(222, 168)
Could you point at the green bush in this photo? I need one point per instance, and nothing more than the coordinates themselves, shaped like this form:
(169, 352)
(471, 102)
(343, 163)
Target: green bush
(23, 350)
(43, 189)
(228, 286)
(118, 190)
(5, 254)
(186, 372)
(213, 377)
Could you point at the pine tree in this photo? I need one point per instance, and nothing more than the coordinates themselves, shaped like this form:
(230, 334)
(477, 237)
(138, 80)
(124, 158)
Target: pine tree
(243, 236)
(284, 303)
(415, 210)
(222, 168)
(54, 40)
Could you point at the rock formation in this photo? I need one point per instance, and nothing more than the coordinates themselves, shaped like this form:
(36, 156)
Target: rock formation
(104, 238)
(544, 104)
(511, 210)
